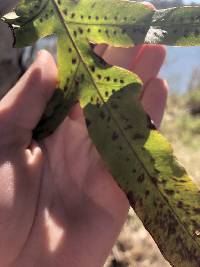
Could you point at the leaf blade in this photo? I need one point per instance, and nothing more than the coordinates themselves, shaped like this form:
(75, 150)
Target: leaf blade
(160, 196)
(181, 26)
(108, 95)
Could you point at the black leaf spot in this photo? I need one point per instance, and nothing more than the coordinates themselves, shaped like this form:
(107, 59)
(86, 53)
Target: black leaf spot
(147, 193)
(88, 122)
(73, 60)
(141, 178)
(196, 210)
(65, 12)
(154, 180)
(80, 30)
(92, 68)
(115, 136)
(106, 94)
(169, 192)
(73, 15)
(77, 82)
(128, 127)
(180, 204)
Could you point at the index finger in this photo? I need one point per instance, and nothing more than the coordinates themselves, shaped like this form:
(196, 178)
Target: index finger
(102, 48)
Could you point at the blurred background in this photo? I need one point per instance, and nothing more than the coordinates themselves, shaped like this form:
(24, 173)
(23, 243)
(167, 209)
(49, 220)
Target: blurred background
(181, 125)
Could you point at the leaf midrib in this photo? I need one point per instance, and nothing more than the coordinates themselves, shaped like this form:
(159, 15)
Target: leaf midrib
(74, 76)
(121, 130)
(78, 52)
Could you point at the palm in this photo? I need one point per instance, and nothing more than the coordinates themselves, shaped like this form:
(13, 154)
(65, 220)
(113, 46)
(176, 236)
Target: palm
(79, 202)
(74, 204)
(75, 166)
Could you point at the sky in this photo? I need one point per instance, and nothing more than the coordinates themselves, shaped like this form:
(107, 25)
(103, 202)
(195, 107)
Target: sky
(189, 1)
(179, 66)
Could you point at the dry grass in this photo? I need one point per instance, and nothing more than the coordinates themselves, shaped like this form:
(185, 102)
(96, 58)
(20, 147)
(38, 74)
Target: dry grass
(135, 247)
(183, 130)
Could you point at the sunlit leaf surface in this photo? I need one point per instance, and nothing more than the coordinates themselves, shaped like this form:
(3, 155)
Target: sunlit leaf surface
(139, 158)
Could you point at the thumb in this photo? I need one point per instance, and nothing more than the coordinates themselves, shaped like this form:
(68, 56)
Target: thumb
(24, 105)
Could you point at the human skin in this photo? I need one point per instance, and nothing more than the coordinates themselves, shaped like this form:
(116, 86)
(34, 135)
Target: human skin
(59, 206)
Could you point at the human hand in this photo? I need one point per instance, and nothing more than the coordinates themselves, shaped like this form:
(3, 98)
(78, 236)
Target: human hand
(59, 206)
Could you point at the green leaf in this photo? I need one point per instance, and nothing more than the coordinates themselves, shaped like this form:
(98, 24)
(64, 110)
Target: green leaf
(75, 23)
(176, 26)
(157, 186)
(136, 154)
